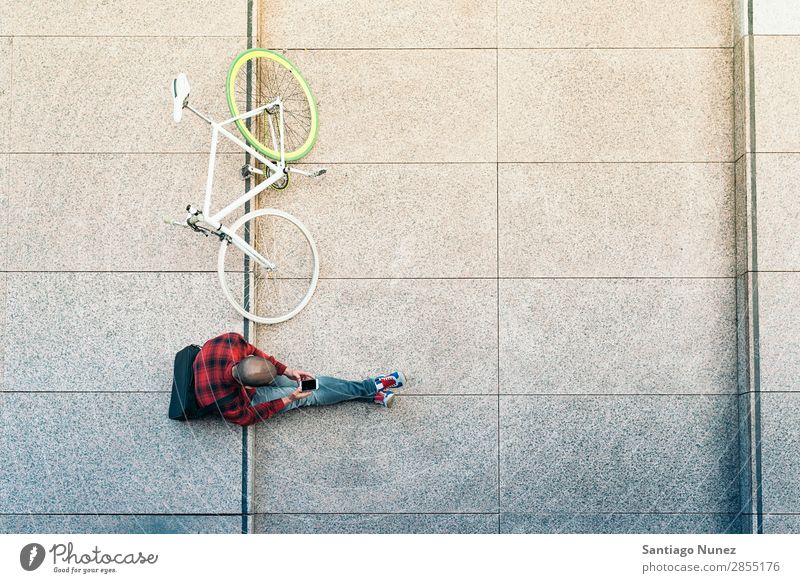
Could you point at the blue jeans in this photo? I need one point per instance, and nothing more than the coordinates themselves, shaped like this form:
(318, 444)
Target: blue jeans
(331, 390)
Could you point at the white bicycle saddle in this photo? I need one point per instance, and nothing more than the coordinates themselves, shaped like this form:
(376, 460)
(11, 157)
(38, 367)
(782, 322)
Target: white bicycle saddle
(180, 95)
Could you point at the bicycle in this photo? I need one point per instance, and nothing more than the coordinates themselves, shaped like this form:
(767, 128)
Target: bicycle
(287, 113)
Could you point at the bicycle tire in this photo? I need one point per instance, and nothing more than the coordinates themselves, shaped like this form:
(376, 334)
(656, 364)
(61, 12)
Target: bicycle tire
(273, 74)
(252, 313)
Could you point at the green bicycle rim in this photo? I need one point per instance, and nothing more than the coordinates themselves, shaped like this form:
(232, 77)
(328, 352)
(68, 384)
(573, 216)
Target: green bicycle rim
(248, 136)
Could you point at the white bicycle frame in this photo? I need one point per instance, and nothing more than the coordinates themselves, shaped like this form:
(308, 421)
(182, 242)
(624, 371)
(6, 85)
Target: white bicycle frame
(278, 171)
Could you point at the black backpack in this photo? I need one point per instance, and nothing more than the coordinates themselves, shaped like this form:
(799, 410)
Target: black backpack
(183, 403)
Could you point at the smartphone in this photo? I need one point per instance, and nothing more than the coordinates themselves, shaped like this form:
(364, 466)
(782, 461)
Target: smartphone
(309, 385)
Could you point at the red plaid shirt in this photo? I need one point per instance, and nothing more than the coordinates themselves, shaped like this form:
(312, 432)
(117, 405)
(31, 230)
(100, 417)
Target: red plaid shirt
(213, 379)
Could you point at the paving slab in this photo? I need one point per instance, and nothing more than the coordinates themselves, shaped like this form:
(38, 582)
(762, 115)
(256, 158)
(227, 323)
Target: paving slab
(776, 17)
(603, 23)
(114, 453)
(781, 523)
(376, 523)
(599, 336)
(638, 453)
(779, 330)
(206, 18)
(108, 209)
(127, 108)
(778, 211)
(441, 333)
(4, 328)
(615, 105)
(780, 450)
(616, 220)
(107, 331)
(618, 523)
(6, 59)
(402, 106)
(119, 524)
(443, 457)
(4, 172)
(380, 220)
(347, 24)
(777, 67)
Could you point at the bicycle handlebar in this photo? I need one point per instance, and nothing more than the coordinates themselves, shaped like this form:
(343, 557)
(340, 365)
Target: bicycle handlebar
(170, 221)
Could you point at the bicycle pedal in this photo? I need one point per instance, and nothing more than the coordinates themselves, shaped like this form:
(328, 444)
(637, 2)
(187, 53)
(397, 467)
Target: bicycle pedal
(249, 170)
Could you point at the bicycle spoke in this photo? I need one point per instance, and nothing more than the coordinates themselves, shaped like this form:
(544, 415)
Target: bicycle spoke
(271, 79)
(273, 293)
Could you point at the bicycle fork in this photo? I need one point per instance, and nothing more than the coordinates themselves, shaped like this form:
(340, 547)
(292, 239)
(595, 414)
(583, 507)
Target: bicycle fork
(195, 216)
(248, 249)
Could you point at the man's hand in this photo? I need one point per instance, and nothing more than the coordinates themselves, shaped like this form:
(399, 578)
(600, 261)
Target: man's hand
(298, 375)
(295, 396)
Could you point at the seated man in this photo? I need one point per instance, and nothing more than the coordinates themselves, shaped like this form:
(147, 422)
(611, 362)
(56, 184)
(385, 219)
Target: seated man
(265, 386)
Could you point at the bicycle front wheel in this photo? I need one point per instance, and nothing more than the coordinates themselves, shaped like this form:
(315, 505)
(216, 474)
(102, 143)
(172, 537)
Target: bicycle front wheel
(262, 295)
(257, 77)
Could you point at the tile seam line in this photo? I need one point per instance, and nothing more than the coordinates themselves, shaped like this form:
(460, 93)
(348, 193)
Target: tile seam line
(432, 278)
(124, 36)
(497, 247)
(398, 48)
(769, 271)
(489, 513)
(245, 493)
(754, 290)
(427, 513)
(6, 184)
(226, 153)
(426, 162)
(413, 395)
(119, 514)
(232, 514)
(429, 162)
(737, 319)
(504, 48)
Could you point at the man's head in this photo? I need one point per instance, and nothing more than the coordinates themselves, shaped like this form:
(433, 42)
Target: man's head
(254, 371)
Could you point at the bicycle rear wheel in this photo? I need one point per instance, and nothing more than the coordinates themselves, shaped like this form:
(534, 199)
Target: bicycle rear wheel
(269, 297)
(257, 77)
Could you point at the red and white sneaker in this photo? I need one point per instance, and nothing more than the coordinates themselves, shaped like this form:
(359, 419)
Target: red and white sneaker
(394, 380)
(385, 398)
